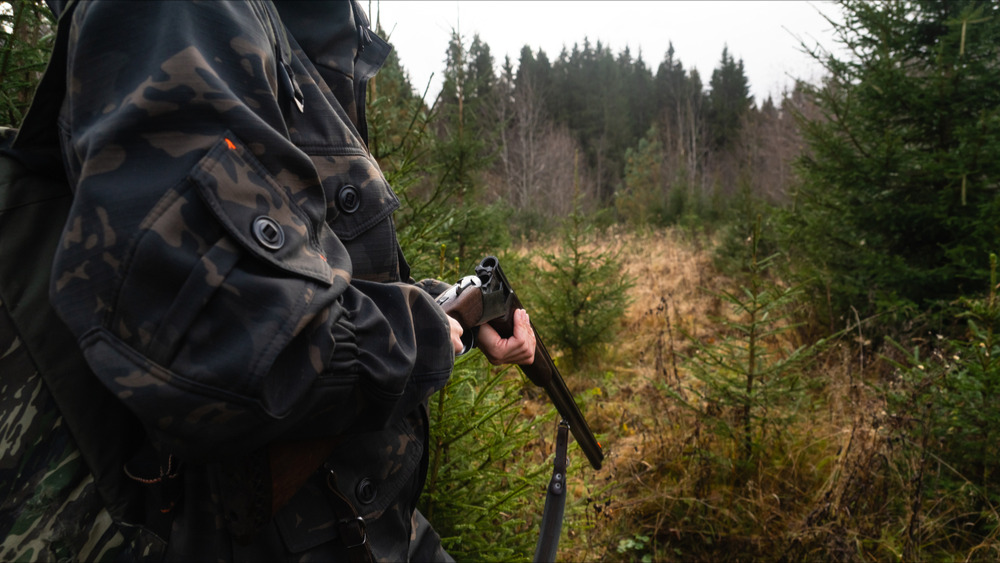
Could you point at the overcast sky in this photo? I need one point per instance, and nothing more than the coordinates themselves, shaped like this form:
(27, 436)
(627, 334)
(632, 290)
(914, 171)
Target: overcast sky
(765, 34)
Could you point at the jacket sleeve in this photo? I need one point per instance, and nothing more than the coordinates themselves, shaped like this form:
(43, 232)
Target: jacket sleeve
(197, 267)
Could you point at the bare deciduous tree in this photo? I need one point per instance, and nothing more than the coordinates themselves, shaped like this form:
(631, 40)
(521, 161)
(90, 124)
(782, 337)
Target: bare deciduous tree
(535, 157)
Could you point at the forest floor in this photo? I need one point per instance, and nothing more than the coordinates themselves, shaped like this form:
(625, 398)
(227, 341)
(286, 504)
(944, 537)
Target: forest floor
(627, 405)
(835, 465)
(653, 499)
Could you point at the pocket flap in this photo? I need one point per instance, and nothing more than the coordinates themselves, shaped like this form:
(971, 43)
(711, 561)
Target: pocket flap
(375, 472)
(259, 213)
(355, 187)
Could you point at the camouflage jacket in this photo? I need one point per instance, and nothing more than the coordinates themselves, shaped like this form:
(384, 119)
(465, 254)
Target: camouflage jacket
(230, 265)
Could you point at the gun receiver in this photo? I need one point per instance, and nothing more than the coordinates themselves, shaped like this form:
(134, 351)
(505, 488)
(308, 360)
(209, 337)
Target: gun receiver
(487, 298)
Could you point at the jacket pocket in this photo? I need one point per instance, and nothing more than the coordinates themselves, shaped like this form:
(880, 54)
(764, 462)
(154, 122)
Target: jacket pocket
(228, 290)
(377, 473)
(360, 204)
(258, 213)
(358, 197)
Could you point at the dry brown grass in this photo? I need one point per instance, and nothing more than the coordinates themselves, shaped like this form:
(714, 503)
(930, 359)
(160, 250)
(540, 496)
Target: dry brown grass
(651, 483)
(670, 298)
(637, 421)
(841, 480)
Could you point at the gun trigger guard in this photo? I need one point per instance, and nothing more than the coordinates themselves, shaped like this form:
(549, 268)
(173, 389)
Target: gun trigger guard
(468, 340)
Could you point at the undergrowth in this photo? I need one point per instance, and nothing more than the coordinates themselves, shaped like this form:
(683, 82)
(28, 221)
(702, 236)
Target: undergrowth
(730, 432)
(861, 454)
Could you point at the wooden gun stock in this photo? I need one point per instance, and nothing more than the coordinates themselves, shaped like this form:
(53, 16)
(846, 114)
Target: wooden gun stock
(487, 298)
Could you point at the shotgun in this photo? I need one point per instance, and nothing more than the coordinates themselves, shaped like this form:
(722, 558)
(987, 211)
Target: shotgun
(487, 298)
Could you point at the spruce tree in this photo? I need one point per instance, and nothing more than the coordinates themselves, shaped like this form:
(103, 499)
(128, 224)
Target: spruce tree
(746, 385)
(729, 100)
(483, 477)
(899, 201)
(581, 296)
(463, 152)
(642, 201)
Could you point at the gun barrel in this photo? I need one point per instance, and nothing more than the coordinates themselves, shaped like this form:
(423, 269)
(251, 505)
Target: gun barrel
(497, 303)
(489, 298)
(543, 369)
(544, 373)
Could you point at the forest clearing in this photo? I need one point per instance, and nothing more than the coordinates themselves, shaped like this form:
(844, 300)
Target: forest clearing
(840, 468)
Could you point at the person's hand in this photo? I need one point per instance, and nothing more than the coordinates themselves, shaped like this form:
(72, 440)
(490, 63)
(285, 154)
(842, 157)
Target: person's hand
(519, 348)
(456, 335)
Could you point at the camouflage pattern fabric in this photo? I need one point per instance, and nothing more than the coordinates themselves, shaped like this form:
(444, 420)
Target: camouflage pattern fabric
(61, 493)
(40, 468)
(230, 265)
(51, 510)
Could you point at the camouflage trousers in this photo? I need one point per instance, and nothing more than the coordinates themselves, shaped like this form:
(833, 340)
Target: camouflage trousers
(50, 508)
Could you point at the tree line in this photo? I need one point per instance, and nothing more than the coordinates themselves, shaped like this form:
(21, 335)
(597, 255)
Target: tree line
(879, 180)
(535, 139)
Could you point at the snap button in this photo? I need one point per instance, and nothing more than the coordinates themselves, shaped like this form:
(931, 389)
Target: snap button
(268, 233)
(348, 198)
(366, 491)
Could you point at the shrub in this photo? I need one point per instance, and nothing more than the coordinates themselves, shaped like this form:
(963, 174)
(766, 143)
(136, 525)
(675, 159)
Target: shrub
(483, 483)
(745, 385)
(579, 299)
(944, 402)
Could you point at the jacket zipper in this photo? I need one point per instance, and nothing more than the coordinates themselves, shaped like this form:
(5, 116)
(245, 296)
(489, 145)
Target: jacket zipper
(282, 54)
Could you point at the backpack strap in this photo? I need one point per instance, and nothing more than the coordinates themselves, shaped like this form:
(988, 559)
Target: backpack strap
(35, 199)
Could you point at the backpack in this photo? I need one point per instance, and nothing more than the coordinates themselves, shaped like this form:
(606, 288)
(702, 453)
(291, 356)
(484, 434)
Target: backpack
(64, 438)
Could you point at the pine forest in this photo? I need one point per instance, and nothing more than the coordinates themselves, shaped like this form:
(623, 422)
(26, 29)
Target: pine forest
(780, 317)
